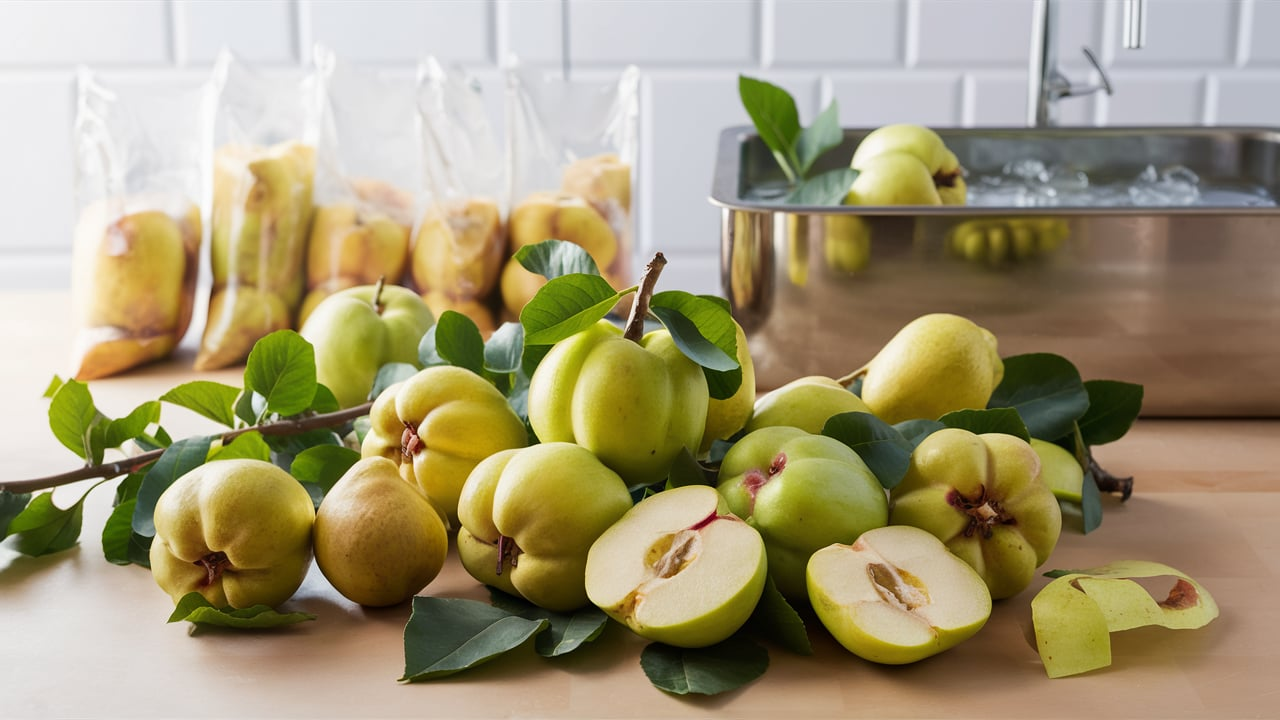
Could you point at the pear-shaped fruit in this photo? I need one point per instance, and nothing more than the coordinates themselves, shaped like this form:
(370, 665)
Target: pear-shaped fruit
(459, 249)
(562, 216)
(897, 595)
(905, 164)
(806, 403)
(936, 364)
(238, 318)
(377, 539)
(728, 416)
(236, 531)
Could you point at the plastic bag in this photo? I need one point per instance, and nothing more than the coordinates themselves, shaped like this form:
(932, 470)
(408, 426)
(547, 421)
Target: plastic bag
(263, 170)
(369, 169)
(135, 255)
(461, 241)
(572, 148)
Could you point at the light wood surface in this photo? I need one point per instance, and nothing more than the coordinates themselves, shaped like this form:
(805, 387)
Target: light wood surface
(85, 638)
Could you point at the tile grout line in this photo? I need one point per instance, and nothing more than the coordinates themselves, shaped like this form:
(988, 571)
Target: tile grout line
(178, 51)
(302, 31)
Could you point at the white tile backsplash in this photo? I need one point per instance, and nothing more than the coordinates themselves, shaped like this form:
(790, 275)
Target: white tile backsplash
(260, 31)
(838, 34)
(940, 62)
(61, 32)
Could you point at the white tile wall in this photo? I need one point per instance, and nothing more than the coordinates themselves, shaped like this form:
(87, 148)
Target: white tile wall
(941, 62)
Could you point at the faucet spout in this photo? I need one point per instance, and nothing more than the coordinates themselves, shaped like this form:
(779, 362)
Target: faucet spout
(1135, 24)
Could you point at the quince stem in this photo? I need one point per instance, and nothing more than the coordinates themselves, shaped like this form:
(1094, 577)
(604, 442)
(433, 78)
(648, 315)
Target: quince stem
(635, 322)
(378, 305)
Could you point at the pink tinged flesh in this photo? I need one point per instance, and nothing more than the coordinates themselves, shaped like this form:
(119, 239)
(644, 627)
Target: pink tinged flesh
(755, 479)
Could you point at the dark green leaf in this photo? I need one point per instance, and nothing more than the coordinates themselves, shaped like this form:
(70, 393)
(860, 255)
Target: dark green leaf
(318, 468)
(1113, 406)
(128, 488)
(705, 332)
(565, 306)
(448, 635)
(390, 374)
(43, 528)
(773, 112)
(824, 134)
(71, 415)
(530, 360)
(11, 505)
(250, 407)
(194, 608)
(249, 445)
(1059, 573)
(282, 368)
(880, 446)
(286, 448)
(1047, 392)
(503, 352)
(996, 420)
(917, 430)
(555, 258)
(565, 633)
(710, 670)
(118, 432)
(178, 459)
(828, 188)
(213, 400)
(120, 544)
(1090, 503)
(686, 470)
(324, 401)
(776, 621)
(458, 341)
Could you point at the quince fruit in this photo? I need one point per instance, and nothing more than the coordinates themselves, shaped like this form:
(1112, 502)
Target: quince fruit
(905, 165)
(806, 403)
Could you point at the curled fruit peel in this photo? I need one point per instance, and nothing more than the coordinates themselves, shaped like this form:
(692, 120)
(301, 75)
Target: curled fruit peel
(1074, 615)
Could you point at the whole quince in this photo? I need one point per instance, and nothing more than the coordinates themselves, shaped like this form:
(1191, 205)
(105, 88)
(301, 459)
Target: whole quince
(983, 497)
(529, 516)
(437, 426)
(806, 403)
(236, 531)
(634, 403)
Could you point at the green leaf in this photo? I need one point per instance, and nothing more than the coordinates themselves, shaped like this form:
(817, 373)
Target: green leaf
(776, 621)
(194, 608)
(128, 487)
(995, 420)
(705, 332)
(120, 544)
(556, 258)
(1047, 392)
(282, 368)
(824, 134)
(213, 400)
(178, 459)
(250, 406)
(43, 528)
(773, 112)
(565, 306)
(318, 468)
(1090, 503)
(565, 633)
(828, 188)
(324, 401)
(455, 339)
(917, 430)
(286, 448)
(686, 470)
(710, 670)
(11, 505)
(503, 352)
(390, 374)
(249, 445)
(447, 635)
(118, 432)
(71, 415)
(1113, 407)
(51, 389)
(885, 451)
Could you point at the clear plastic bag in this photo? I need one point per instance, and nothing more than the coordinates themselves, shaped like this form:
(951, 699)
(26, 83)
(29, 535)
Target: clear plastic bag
(368, 174)
(135, 255)
(461, 240)
(572, 148)
(264, 136)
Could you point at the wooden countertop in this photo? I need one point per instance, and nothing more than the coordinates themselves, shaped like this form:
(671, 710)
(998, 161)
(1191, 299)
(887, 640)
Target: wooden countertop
(86, 638)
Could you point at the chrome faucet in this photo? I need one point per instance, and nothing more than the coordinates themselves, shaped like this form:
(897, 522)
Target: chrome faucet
(1046, 83)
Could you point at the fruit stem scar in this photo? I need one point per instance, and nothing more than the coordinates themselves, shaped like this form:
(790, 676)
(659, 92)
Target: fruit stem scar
(508, 553)
(410, 441)
(984, 514)
(213, 563)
